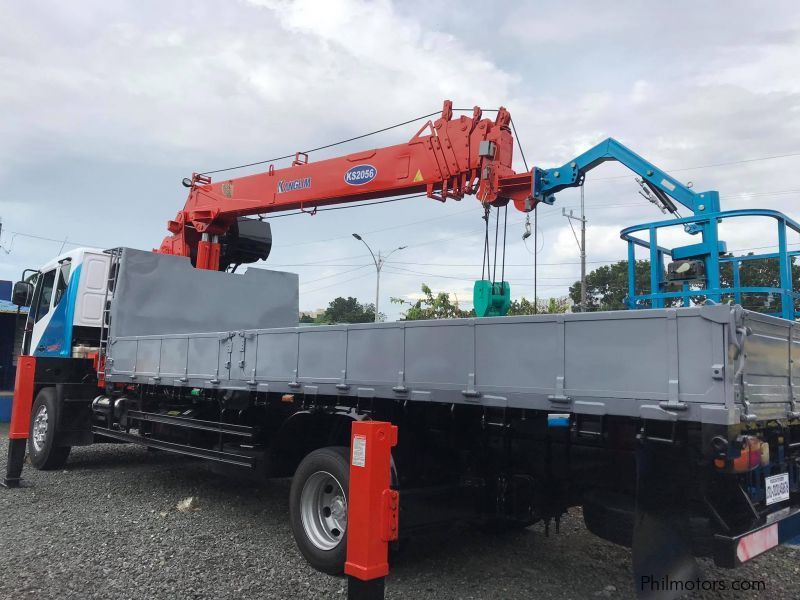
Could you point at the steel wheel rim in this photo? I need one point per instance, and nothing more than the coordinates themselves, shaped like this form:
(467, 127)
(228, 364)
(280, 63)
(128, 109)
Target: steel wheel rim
(40, 428)
(323, 510)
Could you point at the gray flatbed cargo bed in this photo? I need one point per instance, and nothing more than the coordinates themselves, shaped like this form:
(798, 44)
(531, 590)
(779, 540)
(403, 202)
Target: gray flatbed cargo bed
(710, 364)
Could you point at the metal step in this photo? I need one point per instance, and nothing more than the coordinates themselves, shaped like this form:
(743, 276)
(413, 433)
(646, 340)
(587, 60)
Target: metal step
(204, 453)
(243, 431)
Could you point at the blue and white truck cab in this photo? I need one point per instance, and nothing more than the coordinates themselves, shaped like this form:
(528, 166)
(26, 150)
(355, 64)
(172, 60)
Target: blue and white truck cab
(67, 297)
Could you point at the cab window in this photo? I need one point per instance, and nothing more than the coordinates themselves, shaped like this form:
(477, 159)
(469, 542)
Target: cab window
(46, 294)
(63, 281)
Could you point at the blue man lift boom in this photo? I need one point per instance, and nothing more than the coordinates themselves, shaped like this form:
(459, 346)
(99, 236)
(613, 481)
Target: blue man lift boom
(701, 283)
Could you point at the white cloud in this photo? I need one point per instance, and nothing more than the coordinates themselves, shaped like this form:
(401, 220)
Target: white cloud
(106, 109)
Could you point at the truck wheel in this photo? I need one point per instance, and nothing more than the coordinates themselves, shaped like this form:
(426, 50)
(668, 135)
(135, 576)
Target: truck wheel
(500, 526)
(43, 449)
(318, 508)
(610, 515)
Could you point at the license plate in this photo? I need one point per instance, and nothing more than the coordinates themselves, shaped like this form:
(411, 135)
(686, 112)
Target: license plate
(777, 488)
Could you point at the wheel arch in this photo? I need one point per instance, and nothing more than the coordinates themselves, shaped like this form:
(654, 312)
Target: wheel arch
(306, 431)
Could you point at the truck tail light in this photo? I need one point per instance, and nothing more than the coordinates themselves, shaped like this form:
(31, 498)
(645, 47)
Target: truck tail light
(750, 457)
(764, 454)
(753, 453)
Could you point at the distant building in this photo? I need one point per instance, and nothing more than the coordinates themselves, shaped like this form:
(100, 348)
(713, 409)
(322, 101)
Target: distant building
(12, 325)
(312, 313)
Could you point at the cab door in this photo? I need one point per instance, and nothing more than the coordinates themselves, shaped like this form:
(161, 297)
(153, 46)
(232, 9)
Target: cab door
(51, 314)
(40, 312)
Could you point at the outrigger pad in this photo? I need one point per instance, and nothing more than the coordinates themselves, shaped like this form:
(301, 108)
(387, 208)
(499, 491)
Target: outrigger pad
(372, 589)
(16, 458)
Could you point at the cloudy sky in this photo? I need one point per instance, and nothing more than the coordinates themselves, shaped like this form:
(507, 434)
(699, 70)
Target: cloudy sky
(107, 105)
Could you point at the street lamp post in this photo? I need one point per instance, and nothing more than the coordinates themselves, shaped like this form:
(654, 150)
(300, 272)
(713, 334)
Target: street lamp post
(379, 261)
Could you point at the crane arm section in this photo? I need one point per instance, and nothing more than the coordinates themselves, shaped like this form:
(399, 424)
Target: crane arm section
(447, 158)
(548, 182)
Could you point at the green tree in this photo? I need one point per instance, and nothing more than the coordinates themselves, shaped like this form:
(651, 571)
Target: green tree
(304, 318)
(607, 286)
(555, 306)
(761, 272)
(432, 306)
(523, 306)
(347, 310)
(439, 306)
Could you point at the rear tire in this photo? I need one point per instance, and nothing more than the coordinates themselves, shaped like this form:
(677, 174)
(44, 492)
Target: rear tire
(501, 526)
(318, 508)
(610, 515)
(43, 448)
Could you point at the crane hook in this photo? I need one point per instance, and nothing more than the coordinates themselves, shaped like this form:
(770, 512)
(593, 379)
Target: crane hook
(527, 233)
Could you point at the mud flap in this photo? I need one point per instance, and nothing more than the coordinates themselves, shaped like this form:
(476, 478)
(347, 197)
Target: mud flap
(661, 541)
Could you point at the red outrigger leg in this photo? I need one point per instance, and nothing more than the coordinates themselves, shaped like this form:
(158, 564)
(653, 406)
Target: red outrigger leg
(372, 512)
(20, 420)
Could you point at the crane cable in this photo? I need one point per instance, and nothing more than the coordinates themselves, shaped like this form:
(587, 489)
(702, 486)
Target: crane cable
(489, 269)
(505, 230)
(340, 142)
(485, 268)
(496, 232)
(527, 226)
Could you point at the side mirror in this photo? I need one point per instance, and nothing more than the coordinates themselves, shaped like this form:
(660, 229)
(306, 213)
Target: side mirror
(22, 295)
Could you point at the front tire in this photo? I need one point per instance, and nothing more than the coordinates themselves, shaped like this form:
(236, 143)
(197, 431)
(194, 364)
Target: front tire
(318, 508)
(43, 448)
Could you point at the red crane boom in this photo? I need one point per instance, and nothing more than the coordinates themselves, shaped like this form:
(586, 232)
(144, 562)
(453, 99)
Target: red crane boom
(447, 158)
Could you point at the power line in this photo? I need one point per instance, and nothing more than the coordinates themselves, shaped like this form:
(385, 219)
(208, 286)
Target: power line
(590, 206)
(738, 162)
(471, 279)
(722, 164)
(330, 262)
(324, 287)
(512, 265)
(515, 265)
(462, 278)
(598, 206)
(315, 210)
(46, 239)
(391, 227)
(325, 262)
(333, 275)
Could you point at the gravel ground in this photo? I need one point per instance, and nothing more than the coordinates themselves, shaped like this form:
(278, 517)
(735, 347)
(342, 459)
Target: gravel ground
(107, 527)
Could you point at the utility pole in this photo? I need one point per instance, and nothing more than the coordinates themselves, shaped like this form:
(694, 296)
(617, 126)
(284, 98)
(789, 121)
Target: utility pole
(581, 244)
(379, 262)
(536, 259)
